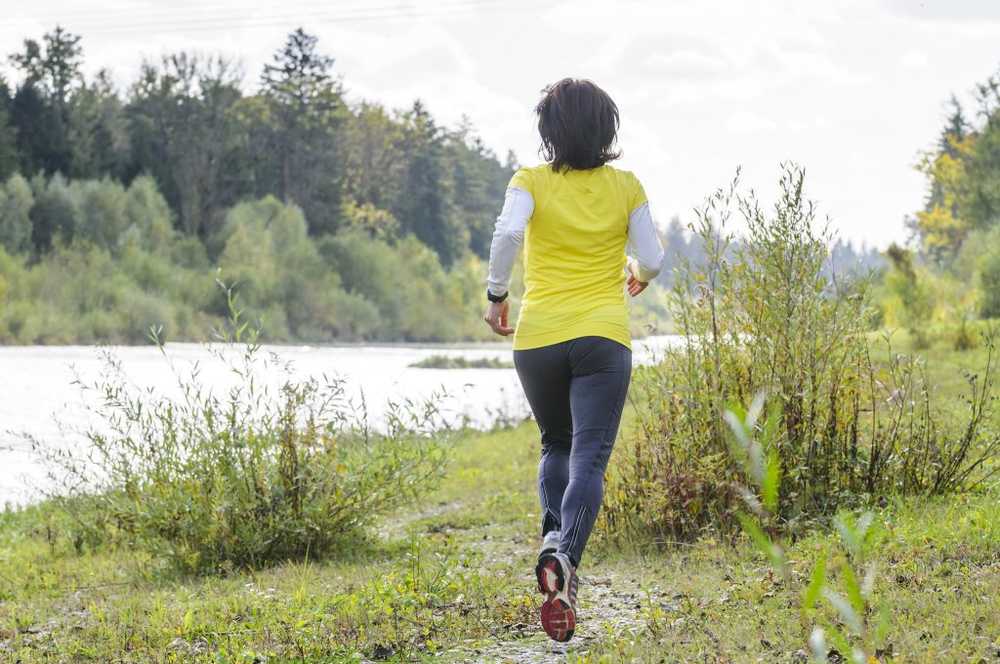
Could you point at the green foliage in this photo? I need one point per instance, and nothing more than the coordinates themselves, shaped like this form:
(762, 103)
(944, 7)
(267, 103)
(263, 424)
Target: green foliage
(16, 201)
(754, 449)
(958, 227)
(116, 266)
(305, 113)
(766, 318)
(990, 284)
(174, 166)
(55, 215)
(415, 297)
(913, 292)
(446, 580)
(101, 214)
(424, 205)
(8, 139)
(260, 475)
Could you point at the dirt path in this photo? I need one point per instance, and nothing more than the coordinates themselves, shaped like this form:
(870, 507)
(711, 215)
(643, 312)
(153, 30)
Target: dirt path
(611, 603)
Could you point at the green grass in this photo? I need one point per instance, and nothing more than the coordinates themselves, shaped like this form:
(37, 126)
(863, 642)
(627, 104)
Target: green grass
(450, 579)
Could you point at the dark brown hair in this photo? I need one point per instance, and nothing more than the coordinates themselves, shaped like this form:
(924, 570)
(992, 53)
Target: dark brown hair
(578, 123)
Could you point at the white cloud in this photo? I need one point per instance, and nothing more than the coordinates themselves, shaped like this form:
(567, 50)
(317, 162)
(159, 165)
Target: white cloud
(745, 121)
(913, 59)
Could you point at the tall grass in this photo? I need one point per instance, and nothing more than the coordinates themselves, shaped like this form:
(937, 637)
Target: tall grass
(762, 315)
(211, 482)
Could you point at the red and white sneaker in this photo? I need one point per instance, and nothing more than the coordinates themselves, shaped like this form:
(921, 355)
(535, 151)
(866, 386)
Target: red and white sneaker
(557, 580)
(550, 543)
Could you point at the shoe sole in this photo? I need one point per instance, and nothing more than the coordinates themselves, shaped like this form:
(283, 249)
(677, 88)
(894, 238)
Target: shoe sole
(558, 618)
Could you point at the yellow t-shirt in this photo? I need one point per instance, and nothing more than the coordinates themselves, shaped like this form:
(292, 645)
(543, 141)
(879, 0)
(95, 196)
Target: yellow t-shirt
(574, 254)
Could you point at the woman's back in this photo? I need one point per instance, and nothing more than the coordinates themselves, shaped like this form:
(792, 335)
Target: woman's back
(574, 253)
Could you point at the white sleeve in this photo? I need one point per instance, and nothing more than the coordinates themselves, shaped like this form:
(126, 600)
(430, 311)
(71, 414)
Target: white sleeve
(508, 234)
(644, 243)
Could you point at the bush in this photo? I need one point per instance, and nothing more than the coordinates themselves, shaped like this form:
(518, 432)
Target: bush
(989, 279)
(913, 292)
(260, 475)
(769, 320)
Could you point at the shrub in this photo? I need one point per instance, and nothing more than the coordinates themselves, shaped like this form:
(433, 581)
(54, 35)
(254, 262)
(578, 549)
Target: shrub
(913, 292)
(259, 475)
(102, 217)
(989, 279)
(765, 318)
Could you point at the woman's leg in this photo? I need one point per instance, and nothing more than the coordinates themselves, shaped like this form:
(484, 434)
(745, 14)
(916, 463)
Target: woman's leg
(600, 374)
(545, 376)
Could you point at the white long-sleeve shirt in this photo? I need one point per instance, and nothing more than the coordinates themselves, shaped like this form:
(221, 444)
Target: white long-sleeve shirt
(508, 236)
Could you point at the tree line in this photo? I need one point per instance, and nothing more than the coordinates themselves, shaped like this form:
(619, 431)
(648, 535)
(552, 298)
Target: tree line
(949, 275)
(187, 172)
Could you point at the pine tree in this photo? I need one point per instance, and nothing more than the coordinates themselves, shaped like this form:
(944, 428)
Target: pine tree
(8, 138)
(41, 106)
(307, 112)
(424, 207)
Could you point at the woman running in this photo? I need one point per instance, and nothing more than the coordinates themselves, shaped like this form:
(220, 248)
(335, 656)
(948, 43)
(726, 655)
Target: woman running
(575, 215)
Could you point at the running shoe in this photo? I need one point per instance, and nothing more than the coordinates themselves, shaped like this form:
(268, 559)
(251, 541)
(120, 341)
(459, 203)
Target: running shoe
(550, 543)
(557, 580)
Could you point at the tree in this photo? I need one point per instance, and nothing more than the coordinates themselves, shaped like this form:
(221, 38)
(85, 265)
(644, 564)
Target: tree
(424, 206)
(55, 67)
(15, 207)
(8, 138)
(98, 133)
(373, 157)
(54, 213)
(963, 174)
(979, 203)
(41, 106)
(41, 137)
(101, 216)
(477, 185)
(305, 114)
(183, 131)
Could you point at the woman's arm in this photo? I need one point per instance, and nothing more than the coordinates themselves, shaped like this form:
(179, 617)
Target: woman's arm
(645, 250)
(644, 244)
(508, 235)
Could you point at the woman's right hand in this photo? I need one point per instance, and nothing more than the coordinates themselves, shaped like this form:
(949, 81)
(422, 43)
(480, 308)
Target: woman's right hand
(496, 318)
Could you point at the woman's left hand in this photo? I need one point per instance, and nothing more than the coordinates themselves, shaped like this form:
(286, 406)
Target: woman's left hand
(634, 285)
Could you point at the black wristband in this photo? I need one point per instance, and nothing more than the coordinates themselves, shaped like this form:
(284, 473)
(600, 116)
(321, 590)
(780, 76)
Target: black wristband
(496, 298)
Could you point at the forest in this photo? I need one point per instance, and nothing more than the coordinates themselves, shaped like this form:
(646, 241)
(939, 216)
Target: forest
(125, 210)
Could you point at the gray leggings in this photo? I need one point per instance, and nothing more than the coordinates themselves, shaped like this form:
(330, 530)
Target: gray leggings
(576, 390)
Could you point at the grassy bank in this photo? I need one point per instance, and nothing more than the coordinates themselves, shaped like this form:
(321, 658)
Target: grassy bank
(450, 579)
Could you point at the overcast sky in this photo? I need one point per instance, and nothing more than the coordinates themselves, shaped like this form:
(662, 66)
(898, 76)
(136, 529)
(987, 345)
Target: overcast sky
(852, 89)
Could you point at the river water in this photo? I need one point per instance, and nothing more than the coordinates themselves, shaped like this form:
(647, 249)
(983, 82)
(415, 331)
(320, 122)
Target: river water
(38, 396)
